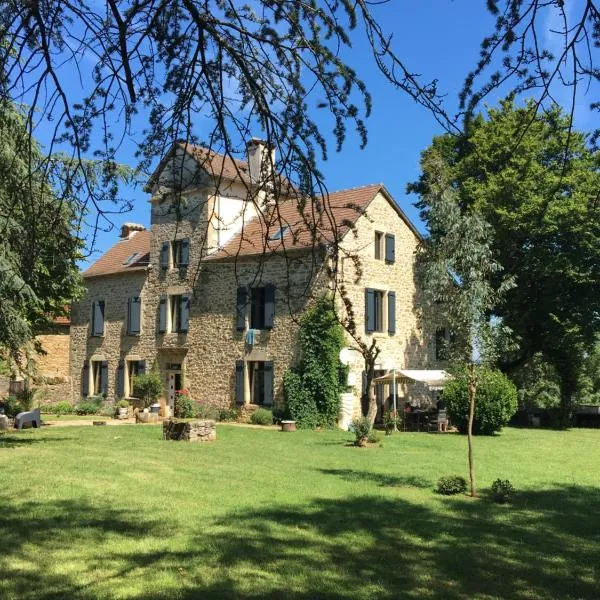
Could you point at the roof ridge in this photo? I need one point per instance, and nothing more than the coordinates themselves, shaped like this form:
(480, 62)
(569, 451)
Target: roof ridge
(359, 187)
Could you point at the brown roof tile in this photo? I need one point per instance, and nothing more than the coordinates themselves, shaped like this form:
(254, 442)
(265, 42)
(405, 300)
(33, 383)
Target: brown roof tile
(114, 259)
(332, 220)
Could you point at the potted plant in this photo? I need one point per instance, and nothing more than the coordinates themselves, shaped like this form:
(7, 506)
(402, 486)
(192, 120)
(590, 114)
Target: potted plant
(123, 409)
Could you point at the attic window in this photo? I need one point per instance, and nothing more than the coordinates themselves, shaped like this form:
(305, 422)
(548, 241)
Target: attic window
(279, 234)
(131, 258)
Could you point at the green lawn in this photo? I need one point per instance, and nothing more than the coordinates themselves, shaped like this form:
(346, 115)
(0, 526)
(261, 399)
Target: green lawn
(118, 513)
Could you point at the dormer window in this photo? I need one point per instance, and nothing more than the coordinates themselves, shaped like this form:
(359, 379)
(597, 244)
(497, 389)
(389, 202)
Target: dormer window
(131, 259)
(278, 235)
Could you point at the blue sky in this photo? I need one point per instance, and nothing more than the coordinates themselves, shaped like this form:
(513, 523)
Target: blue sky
(437, 38)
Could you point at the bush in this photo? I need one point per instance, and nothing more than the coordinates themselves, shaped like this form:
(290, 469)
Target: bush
(362, 431)
(262, 416)
(122, 404)
(87, 407)
(495, 402)
(206, 411)
(59, 409)
(184, 406)
(12, 407)
(502, 491)
(451, 485)
(229, 414)
(391, 420)
(299, 402)
(148, 387)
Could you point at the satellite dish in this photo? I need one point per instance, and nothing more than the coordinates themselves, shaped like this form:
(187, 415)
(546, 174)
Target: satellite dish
(345, 357)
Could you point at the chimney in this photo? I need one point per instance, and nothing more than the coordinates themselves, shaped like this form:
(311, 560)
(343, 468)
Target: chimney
(261, 158)
(127, 229)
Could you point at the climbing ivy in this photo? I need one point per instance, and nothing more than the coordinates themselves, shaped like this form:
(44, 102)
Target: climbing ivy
(312, 389)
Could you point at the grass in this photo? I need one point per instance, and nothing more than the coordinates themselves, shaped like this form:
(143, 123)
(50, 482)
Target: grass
(73, 417)
(118, 513)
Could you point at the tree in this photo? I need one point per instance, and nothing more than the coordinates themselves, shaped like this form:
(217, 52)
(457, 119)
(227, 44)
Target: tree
(457, 269)
(544, 208)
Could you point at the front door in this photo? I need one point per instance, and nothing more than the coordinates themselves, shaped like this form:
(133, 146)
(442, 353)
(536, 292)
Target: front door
(173, 386)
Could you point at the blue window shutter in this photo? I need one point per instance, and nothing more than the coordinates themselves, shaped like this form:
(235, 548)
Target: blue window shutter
(369, 310)
(269, 306)
(391, 313)
(94, 317)
(85, 379)
(184, 258)
(164, 255)
(135, 305)
(121, 379)
(239, 382)
(104, 377)
(241, 301)
(390, 248)
(268, 383)
(162, 315)
(98, 318)
(184, 313)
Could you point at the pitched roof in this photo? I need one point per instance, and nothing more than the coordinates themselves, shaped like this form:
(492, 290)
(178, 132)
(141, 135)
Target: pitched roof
(289, 227)
(118, 259)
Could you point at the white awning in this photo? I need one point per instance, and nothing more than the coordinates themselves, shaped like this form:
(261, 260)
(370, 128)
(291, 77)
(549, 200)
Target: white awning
(435, 379)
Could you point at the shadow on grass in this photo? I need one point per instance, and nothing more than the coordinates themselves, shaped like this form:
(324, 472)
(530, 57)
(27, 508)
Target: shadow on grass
(546, 545)
(381, 479)
(16, 440)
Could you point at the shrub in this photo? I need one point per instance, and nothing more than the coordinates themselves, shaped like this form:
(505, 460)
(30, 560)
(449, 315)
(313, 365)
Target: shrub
(373, 438)
(391, 420)
(451, 485)
(12, 407)
(299, 402)
(262, 416)
(362, 431)
(87, 407)
(184, 406)
(122, 404)
(495, 402)
(60, 408)
(206, 411)
(148, 387)
(502, 491)
(25, 398)
(229, 414)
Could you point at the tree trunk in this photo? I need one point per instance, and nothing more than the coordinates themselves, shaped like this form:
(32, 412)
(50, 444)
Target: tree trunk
(568, 386)
(472, 393)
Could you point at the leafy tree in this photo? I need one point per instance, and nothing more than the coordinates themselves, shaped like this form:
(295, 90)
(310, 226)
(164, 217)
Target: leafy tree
(149, 386)
(537, 383)
(457, 268)
(542, 200)
(590, 377)
(314, 387)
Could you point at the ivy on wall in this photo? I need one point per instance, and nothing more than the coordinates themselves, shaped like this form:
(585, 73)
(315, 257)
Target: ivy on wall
(312, 389)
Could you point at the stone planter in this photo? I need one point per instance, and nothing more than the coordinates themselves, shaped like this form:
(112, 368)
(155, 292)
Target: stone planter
(189, 431)
(288, 425)
(346, 410)
(123, 413)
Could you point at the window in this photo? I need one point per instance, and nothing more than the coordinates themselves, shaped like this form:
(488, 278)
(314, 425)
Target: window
(134, 312)
(180, 252)
(131, 258)
(378, 244)
(98, 318)
(174, 313)
(380, 311)
(257, 378)
(134, 368)
(441, 344)
(98, 378)
(261, 307)
(278, 235)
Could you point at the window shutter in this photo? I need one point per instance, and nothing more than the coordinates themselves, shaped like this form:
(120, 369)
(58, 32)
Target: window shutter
(85, 379)
(162, 315)
(135, 305)
(241, 301)
(141, 365)
(184, 259)
(98, 318)
(239, 382)
(184, 313)
(268, 383)
(390, 248)
(164, 255)
(391, 298)
(121, 379)
(369, 310)
(269, 306)
(104, 377)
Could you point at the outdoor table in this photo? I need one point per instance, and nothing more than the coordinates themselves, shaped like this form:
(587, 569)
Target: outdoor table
(418, 418)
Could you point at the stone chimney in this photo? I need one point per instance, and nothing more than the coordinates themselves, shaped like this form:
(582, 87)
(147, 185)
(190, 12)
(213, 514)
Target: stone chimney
(127, 229)
(261, 158)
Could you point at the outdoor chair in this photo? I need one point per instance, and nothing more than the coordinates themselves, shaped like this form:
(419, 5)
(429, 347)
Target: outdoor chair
(439, 421)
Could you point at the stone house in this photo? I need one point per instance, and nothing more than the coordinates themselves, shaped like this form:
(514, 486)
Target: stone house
(212, 293)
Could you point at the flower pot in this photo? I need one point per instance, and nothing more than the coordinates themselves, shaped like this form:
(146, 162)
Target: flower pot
(123, 412)
(288, 425)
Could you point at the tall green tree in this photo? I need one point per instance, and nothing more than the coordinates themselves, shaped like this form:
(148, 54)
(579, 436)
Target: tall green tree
(40, 246)
(537, 182)
(458, 271)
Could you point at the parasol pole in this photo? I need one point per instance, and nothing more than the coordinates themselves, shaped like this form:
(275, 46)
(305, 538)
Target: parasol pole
(394, 397)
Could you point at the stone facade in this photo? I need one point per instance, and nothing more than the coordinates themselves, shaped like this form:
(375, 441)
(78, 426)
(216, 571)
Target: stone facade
(209, 357)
